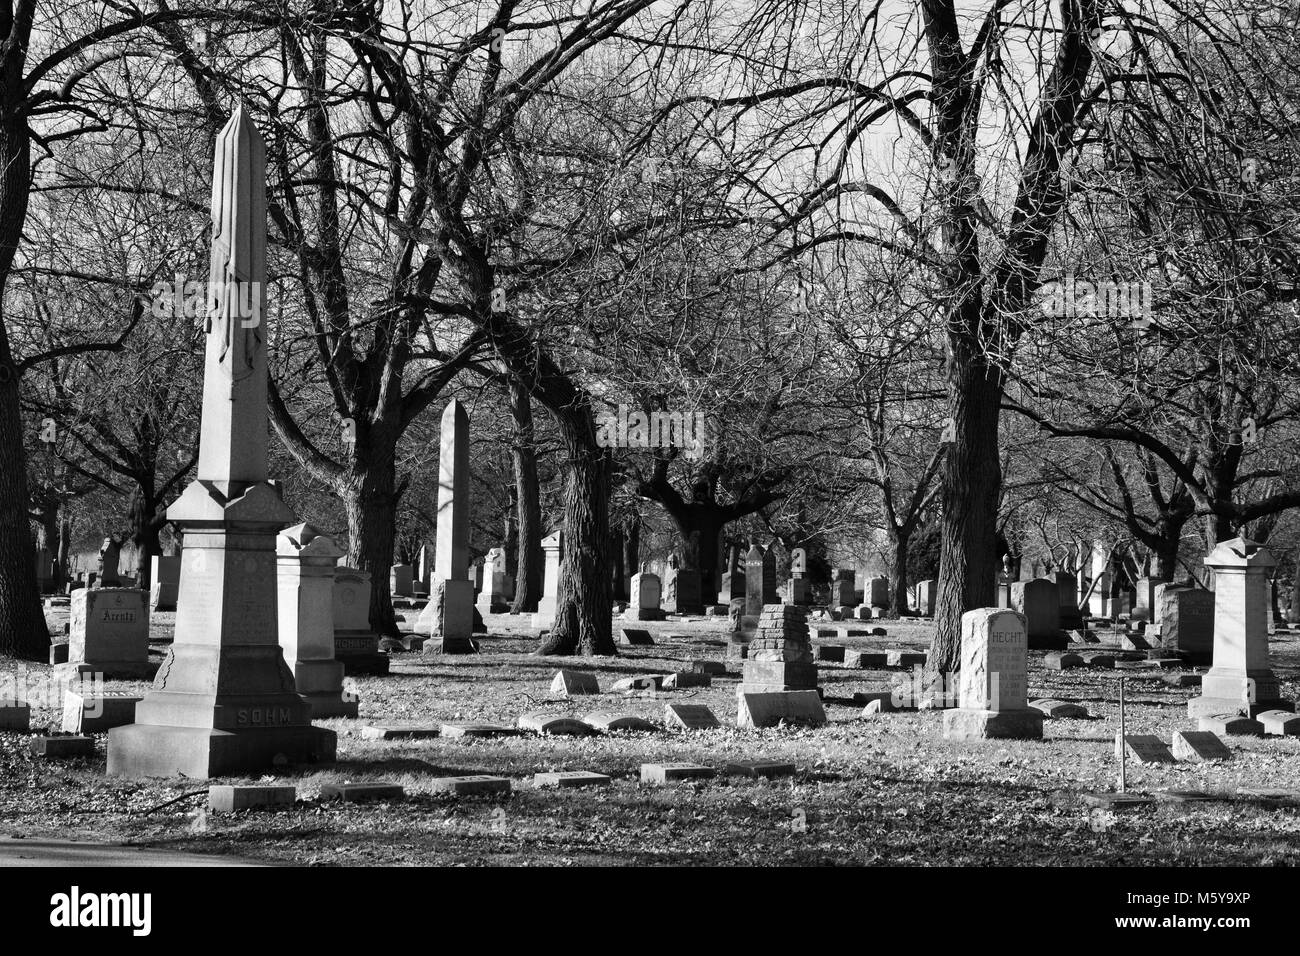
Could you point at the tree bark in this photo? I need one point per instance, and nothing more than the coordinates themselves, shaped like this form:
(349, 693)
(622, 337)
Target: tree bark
(617, 590)
(23, 633)
(972, 476)
(528, 573)
(370, 499)
(1293, 612)
(631, 551)
(583, 616)
(145, 528)
(899, 544)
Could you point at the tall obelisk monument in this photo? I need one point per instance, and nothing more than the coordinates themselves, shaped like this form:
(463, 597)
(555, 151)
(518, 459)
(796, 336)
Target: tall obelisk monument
(224, 701)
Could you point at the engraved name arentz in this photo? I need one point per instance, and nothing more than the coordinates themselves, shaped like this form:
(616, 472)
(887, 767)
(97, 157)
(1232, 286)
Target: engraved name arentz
(262, 716)
(118, 617)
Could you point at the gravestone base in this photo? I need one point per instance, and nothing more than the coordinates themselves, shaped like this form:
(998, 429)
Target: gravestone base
(450, 620)
(768, 709)
(148, 750)
(1024, 724)
(767, 676)
(1233, 692)
(358, 652)
(645, 614)
(737, 650)
(75, 672)
(1213, 706)
(320, 684)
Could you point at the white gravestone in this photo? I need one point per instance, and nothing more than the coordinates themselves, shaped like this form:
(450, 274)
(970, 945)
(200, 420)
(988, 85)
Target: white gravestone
(1240, 680)
(993, 694)
(305, 576)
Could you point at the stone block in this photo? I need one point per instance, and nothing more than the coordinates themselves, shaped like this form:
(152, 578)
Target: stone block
(565, 779)
(799, 707)
(56, 748)
(690, 717)
(1197, 746)
(607, 723)
(554, 725)
(1143, 748)
(663, 773)
(226, 798)
(470, 785)
(361, 792)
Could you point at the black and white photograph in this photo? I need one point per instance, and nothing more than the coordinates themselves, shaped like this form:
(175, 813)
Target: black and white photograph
(656, 434)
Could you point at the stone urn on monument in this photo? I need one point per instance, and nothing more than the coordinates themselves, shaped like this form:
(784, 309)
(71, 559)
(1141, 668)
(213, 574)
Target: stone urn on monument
(224, 700)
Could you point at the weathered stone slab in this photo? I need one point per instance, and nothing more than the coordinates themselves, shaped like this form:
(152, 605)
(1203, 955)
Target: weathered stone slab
(640, 682)
(607, 723)
(55, 748)
(15, 715)
(690, 717)
(796, 707)
(662, 773)
(1231, 725)
(554, 725)
(90, 713)
(1062, 661)
(1144, 748)
(833, 653)
(476, 730)
(1197, 746)
(1103, 661)
(361, 792)
(712, 668)
(866, 659)
(399, 731)
(865, 698)
(685, 679)
(1117, 801)
(564, 779)
(1060, 709)
(636, 637)
(574, 683)
(898, 658)
(1280, 723)
(1184, 796)
(226, 798)
(1270, 794)
(766, 769)
(470, 784)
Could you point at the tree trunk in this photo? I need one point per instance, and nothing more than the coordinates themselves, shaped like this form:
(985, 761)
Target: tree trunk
(631, 551)
(62, 572)
(370, 499)
(528, 573)
(971, 478)
(616, 588)
(1293, 612)
(700, 525)
(583, 616)
(145, 530)
(510, 532)
(23, 633)
(899, 544)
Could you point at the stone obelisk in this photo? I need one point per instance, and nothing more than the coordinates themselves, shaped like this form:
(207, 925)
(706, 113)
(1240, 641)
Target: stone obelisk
(449, 616)
(224, 701)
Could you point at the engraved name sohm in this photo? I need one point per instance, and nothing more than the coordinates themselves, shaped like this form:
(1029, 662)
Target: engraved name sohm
(262, 716)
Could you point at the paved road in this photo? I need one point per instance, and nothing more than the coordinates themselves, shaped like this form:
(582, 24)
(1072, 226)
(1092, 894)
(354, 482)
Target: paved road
(66, 853)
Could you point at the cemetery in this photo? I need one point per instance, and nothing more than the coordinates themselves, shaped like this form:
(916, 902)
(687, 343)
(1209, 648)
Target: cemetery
(508, 495)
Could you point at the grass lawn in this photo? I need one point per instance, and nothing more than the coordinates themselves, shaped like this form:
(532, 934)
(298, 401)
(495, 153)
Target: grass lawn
(885, 788)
